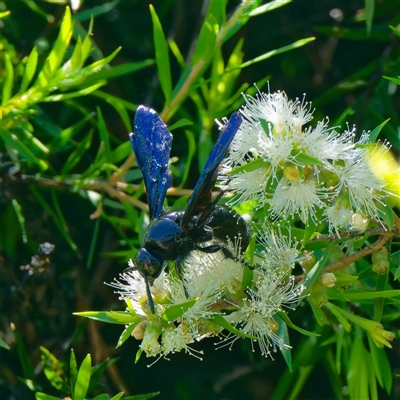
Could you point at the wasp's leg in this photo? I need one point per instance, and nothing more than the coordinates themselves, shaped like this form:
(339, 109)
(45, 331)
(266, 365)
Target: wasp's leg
(225, 251)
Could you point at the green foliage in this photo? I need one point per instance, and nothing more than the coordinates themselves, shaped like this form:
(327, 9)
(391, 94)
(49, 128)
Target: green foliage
(82, 381)
(69, 178)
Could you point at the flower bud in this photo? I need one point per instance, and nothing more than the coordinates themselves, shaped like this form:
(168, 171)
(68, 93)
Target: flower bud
(138, 332)
(327, 279)
(380, 261)
(150, 344)
(359, 222)
(318, 294)
(291, 172)
(308, 261)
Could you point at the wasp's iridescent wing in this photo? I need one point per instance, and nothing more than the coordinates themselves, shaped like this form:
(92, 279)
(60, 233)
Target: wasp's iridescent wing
(201, 195)
(151, 142)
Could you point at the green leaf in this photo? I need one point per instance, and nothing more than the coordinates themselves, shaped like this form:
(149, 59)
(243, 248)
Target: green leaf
(146, 396)
(77, 154)
(53, 369)
(93, 243)
(305, 159)
(104, 134)
(272, 5)
(179, 124)
(339, 347)
(118, 71)
(354, 295)
(316, 269)
(21, 219)
(206, 41)
(56, 55)
(394, 30)
(284, 335)
(162, 57)
(71, 95)
(127, 332)
(60, 223)
(309, 230)
(83, 379)
(111, 317)
(397, 273)
(381, 366)
(3, 344)
(319, 315)
(23, 357)
(220, 320)
(106, 397)
(387, 214)
(14, 143)
(8, 81)
(76, 61)
(44, 396)
(98, 371)
(336, 312)
(73, 370)
(374, 134)
(96, 11)
(173, 312)
(344, 279)
(283, 316)
(30, 69)
(369, 13)
(87, 43)
(284, 49)
(249, 166)
(357, 373)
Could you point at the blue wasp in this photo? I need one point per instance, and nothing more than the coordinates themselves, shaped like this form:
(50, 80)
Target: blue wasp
(171, 236)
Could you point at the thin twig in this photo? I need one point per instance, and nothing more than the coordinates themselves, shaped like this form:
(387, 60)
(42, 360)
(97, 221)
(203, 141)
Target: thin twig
(344, 262)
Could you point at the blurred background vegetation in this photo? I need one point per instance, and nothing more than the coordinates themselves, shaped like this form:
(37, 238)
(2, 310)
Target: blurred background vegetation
(66, 180)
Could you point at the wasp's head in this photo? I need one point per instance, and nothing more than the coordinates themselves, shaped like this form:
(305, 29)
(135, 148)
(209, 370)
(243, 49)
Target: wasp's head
(148, 265)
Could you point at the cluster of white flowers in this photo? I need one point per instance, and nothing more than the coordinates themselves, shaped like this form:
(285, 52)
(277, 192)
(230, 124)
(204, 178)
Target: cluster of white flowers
(217, 299)
(315, 174)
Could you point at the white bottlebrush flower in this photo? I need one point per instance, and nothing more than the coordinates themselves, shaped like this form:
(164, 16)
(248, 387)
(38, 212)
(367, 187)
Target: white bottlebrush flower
(324, 143)
(274, 291)
(339, 216)
(296, 197)
(248, 185)
(278, 251)
(175, 339)
(276, 108)
(131, 285)
(357, 182)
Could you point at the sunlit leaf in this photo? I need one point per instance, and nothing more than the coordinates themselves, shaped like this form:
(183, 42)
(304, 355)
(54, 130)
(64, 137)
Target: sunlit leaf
(8, 80)
(111, 317)
(83, 379)
(30, 69)
(162, 57)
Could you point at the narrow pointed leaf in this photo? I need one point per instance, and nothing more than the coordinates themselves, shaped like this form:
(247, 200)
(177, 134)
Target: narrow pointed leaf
(83, 379)
(111, 317)
(162, 57)
(8, 81)
(73, 369)
(30, 69)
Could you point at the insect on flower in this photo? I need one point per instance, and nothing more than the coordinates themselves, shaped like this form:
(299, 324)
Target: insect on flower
(171, 236)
